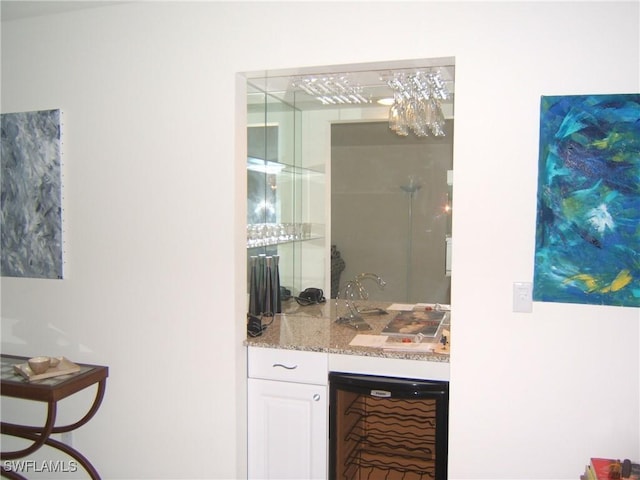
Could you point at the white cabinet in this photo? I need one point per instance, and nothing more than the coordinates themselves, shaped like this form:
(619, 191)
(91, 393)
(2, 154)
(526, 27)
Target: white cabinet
(287, 414)
(288, 406)
(287, 430)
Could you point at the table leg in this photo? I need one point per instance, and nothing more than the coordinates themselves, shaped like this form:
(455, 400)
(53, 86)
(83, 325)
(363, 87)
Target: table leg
(63, 447)
(10, 474)
(97, 401)
(39, 440)
(41, 436)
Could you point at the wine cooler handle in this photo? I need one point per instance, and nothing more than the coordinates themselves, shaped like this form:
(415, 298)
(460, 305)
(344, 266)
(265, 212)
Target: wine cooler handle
(381, 393)
(284, 366)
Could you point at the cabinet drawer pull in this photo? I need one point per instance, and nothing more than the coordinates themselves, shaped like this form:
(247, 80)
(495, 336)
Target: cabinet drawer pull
(316, 397)
(284, 366)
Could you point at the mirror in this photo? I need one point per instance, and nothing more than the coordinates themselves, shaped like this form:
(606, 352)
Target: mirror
(391, 209)
(384, 201)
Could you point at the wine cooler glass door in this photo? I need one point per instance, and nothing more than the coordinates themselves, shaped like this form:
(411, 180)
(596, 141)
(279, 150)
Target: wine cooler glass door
(392, 428)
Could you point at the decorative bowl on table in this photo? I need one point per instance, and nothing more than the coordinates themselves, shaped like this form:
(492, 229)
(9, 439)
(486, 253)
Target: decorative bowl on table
(39, 364)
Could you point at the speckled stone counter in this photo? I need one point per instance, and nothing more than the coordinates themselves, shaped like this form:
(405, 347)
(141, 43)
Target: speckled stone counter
(313, 328)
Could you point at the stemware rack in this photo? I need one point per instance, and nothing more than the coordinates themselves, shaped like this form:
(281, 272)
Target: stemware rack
(389, 438)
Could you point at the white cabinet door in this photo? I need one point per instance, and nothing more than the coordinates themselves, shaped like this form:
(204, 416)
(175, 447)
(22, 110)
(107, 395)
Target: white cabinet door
(287, 430)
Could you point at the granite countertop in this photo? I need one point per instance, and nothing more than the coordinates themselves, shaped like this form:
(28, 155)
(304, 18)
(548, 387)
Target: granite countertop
(313, 328)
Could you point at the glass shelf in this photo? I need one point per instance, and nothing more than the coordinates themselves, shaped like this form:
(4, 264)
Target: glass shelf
(275, 167)
(272, 234)
(285, 192)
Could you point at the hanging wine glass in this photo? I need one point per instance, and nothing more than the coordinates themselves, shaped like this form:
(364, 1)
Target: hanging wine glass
(397, 122)
(438, 122)
(416, 105)
(421, 128)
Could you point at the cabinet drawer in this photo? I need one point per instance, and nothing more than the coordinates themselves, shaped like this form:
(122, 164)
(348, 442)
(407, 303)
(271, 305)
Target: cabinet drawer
(288, 365)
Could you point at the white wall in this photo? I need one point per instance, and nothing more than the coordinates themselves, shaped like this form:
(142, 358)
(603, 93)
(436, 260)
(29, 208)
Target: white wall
(153, 199)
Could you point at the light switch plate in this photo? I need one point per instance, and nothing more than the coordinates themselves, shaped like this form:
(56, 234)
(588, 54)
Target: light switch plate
(523, 297)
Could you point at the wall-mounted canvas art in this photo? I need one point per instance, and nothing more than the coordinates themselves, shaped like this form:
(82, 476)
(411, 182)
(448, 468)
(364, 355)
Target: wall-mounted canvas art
(31, 195)
(588, 210)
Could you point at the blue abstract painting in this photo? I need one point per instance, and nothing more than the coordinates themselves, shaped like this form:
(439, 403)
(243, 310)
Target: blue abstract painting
(587, 247)
(31, 195)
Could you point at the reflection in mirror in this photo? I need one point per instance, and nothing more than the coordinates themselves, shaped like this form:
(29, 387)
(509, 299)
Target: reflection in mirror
(391, 209)
(262, 149)
(360, 158)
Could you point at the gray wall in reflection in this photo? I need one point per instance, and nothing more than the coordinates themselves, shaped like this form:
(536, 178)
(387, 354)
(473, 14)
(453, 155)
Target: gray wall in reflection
(371, 212)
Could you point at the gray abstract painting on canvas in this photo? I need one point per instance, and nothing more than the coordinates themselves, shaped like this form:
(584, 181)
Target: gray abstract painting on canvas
(31, 195)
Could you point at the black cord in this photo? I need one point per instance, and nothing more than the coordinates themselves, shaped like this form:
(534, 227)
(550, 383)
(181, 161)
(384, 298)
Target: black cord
(305, 301)
(310, 296)
(255, 328)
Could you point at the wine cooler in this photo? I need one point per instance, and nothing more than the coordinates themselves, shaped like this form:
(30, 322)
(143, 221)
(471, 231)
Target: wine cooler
(387, 428)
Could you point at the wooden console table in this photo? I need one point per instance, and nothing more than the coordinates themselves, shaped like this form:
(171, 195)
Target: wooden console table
(50, 391)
